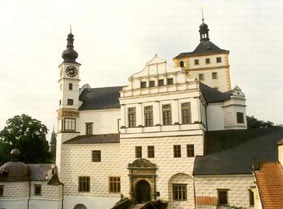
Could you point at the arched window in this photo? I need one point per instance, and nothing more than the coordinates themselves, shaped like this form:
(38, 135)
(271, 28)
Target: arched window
(182, 64)
(80, 206)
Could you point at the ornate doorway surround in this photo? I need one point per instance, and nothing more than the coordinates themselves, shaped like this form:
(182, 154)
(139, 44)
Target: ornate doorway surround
(142, 175)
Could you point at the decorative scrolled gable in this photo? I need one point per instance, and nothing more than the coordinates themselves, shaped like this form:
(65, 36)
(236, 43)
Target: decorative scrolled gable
(142, 163)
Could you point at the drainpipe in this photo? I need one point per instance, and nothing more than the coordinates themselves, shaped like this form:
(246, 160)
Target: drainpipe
(62, 196)
(194, 185)
(29, 193)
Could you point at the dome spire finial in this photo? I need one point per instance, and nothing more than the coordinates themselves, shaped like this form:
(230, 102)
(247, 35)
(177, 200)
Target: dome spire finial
(202, 15)
(70, 55)
(203, 29)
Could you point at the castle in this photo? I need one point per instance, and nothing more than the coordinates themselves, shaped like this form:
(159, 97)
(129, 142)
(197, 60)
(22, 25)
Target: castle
(172, 133)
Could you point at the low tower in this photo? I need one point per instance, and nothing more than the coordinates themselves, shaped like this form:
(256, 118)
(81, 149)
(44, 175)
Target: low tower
(207, 63)
(68, 114)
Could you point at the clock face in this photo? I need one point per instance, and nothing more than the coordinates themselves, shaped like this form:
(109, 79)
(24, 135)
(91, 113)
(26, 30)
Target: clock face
(71, 71)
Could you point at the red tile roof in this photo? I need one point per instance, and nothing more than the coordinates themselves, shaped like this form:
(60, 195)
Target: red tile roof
(269, 180)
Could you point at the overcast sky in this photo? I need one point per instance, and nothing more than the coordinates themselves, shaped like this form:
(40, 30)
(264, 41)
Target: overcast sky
(115, 39)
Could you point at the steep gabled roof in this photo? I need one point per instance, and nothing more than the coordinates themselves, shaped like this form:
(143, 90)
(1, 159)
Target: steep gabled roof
(204, 48)
(233, 151)
(213, 95)
(94, 139)
(100, 98)
(269, 180)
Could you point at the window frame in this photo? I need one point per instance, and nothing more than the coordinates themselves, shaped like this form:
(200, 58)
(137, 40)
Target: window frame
(148, 116)
(151, 83)
(181, 64)
(143, 84)
(179, 192)
(214, 76)
(201, 77)
(161, 82)
(89, 128)
(70, 86)
(132, 117)
(207, 61)
(70, 102)
(170, 81)
(166, 114)
(251, 198)
(196, 61)
(72, 123)
(96, 156)
(37, 189)
(218, 59)
(1, 190)
(186, 113)
(138, 151)
(240, 118)
(177, 151)
(83, 184)
(219, 191)
(114, 184)
(150, 151)
(190, 150)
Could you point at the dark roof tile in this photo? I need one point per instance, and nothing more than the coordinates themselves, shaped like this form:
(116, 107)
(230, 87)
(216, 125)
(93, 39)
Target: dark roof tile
(212, 95)
(95, 139)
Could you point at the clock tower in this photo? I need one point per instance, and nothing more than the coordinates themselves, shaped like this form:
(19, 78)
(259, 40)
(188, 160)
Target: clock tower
(68, 102)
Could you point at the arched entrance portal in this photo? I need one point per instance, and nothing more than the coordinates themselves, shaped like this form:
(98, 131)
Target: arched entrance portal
(80, 206)
(143, 192)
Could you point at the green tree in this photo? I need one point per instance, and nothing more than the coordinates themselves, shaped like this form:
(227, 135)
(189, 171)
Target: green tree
(255, 123)
(26, 134)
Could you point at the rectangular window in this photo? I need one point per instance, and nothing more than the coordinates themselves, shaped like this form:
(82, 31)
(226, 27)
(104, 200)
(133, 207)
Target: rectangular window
(89, 128)
(240, 117)
(170, 81)
(114, 184)
(70, 86)
(190, 150)
(166, 113)
(161, 82)
(196, 62)
(186, 112)
(177, 150)
(179, 192)
(218, 59)
(1, 190)
(37, 189)
(151, 83)
(70, 102)
(201, 77)
(207, 61)
(96, 156)
(214, 75)
(148, 115)
(150, 151)
(222, 196)
(143, 84)
(138, 152)
(84, 184)
(132, 117)
(251, 196)
(70, 124)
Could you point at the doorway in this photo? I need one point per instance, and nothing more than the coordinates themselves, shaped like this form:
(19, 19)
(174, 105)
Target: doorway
(143, 192)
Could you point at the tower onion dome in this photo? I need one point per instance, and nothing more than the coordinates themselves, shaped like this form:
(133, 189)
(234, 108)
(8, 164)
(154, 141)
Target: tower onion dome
(203, 31)
(69, 54)
(14, 170)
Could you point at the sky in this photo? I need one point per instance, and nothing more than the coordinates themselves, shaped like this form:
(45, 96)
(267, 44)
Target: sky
(115, 39)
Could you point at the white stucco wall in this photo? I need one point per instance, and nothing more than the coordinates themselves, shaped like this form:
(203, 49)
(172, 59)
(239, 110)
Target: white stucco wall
(104, 121)
(215, 116)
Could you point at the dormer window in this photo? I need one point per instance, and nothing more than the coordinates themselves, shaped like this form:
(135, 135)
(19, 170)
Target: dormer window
(207, 61)
(151, 83)
(143, 84)
(182, 64)
(161, 82)
(169, 81)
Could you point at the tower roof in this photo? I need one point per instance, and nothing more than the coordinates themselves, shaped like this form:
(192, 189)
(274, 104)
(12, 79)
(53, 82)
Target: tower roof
(69, 54)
